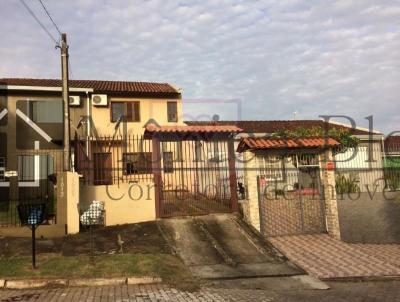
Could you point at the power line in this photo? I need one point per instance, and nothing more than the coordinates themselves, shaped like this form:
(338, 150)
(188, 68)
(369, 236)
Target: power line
(51, 19)
(39, 22)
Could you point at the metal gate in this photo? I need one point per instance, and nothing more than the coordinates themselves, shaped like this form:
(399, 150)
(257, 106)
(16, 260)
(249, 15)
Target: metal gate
(293, 202)
(195, 177)
(33, 182)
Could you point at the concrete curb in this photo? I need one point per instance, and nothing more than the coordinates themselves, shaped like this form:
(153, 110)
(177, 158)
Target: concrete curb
(361, 279)
(35, 283)
(39, 283)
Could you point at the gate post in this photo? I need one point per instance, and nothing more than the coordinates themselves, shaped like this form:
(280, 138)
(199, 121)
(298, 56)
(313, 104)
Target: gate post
(232, 175)
(68, 201)
(156, 167)
(329, 194)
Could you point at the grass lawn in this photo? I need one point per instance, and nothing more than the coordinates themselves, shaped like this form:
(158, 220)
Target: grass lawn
(170, 268)
(146, 253)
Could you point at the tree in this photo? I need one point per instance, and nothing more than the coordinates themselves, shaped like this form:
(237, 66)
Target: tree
(342, 135)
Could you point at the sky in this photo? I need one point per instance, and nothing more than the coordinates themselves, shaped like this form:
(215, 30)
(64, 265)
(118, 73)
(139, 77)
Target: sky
(248, 60)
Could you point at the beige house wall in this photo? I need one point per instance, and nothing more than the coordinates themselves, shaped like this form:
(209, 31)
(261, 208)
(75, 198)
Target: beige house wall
(124, 203)
(149, 109)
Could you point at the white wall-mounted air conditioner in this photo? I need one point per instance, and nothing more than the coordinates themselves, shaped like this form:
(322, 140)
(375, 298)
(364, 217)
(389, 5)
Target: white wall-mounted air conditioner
(74, 100)
(99, 100)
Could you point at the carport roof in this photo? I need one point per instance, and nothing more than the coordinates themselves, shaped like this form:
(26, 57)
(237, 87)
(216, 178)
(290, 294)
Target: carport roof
(250, 143)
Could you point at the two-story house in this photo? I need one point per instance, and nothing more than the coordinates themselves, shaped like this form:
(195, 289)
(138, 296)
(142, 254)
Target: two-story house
(31, 126)
(117, 130)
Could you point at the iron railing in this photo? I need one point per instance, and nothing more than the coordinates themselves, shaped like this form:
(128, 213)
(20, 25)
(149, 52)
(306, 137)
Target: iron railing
(110, 160)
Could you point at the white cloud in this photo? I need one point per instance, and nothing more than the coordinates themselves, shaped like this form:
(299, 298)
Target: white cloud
(314, 57)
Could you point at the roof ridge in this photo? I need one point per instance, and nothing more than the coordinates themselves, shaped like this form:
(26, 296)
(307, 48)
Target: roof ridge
(85, 80)
(235, 121)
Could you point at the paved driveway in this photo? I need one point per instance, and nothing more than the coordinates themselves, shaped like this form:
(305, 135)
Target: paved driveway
(325, 257)
(218, 246)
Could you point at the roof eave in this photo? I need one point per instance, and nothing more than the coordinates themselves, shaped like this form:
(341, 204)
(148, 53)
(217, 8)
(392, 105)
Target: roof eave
(42, 88)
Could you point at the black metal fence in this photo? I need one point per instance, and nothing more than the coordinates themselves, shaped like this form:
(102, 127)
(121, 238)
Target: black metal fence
(366, 168)
(9, 211)
(392, 162)
(34, 183)
(112, 160)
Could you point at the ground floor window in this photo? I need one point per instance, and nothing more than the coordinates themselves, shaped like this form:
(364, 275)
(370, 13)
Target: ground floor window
(168, 162)
(35, 167)
(137, 163)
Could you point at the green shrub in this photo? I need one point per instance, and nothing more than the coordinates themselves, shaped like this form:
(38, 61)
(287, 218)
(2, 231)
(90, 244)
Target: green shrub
(346, 185)
(392, 178)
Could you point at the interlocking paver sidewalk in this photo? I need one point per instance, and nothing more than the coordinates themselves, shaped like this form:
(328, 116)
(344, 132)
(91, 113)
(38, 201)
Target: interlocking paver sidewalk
(325, 257)
(340, 291)
(133, 293)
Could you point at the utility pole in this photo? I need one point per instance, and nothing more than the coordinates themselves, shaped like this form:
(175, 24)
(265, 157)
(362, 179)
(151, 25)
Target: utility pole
(65, 96)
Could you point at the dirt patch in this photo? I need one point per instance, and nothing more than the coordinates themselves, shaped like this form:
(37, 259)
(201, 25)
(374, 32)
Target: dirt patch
(143, 238)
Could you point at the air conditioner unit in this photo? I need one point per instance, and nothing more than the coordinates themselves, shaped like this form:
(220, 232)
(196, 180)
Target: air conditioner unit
(74, 100)
(99, 100)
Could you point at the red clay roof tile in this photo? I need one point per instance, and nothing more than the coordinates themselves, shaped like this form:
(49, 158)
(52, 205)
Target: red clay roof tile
(271, 126)
(109, 87)
(192, 129)
(285, 143)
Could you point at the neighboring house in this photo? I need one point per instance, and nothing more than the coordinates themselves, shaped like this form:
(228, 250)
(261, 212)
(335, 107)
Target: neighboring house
(291, 168)
(354, 165)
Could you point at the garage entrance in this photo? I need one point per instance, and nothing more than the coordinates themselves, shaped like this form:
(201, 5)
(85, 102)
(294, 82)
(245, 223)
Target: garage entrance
(195, 177)
(194, 169)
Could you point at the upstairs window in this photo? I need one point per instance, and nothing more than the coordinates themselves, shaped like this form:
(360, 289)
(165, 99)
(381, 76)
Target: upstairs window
(46, 112)
(129, 110)
(172, 109)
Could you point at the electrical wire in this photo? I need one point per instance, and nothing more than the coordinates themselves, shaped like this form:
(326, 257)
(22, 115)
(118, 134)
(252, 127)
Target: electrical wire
(39, 22)
(51, 19)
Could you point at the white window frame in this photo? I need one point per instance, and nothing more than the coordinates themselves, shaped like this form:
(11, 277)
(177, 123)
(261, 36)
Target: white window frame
(2, 169)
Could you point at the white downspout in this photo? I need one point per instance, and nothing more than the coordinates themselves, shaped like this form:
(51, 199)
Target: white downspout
(88, 122)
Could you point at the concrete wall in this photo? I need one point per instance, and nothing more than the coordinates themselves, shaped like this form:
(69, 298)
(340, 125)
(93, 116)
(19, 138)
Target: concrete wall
(370, 219)
(124, 203)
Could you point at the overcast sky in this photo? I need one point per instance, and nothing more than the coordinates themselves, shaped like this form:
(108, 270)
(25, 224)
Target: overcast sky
(239, 59)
